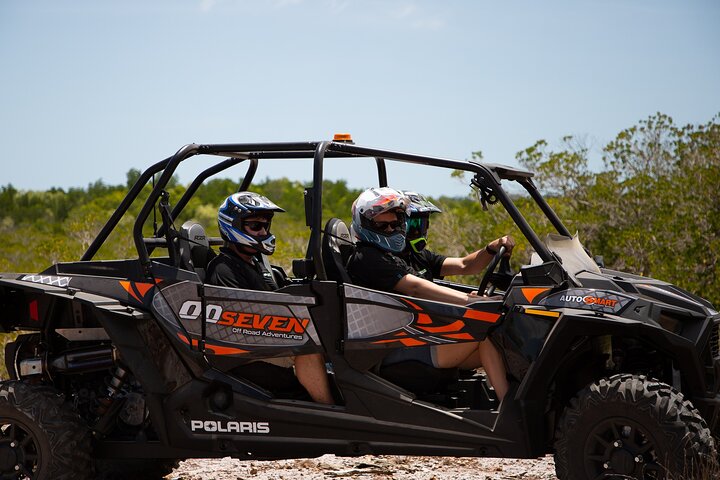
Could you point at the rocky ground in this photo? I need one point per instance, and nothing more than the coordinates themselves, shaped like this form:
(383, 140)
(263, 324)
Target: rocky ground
(368, 467)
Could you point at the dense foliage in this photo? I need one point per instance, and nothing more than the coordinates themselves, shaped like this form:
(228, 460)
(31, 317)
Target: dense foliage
(652, 210)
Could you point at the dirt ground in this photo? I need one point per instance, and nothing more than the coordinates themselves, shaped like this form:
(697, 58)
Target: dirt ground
(367, 467)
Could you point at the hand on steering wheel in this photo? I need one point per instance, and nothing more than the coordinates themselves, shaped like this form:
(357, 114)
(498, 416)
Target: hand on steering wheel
(489, 271)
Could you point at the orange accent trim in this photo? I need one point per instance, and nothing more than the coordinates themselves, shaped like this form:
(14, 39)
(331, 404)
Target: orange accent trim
(416, 307)
(459, 336)
(452, 327)
(143, 288)
(222, 350)
(128, 288)
(408, 342)
(531, 293)
(482, 316)
(192, 342)
(424, 319)
(543, 313)
(401, 334)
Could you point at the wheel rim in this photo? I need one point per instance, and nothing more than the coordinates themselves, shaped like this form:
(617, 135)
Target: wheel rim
(622, 448)
(19, 457)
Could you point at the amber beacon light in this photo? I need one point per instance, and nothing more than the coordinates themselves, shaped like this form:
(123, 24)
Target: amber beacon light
(343, 137)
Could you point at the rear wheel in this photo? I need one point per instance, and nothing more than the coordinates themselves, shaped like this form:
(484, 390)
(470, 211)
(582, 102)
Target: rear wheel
(630, 427)
(41, 437)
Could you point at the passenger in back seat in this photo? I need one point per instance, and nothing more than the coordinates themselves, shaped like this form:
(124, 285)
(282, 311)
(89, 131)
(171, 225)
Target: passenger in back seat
(244, 220)
(380, 224)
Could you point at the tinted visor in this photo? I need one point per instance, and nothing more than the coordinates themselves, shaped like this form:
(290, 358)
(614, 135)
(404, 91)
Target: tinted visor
(417, 227)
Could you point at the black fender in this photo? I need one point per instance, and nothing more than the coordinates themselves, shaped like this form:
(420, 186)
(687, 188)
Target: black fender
(574, 329)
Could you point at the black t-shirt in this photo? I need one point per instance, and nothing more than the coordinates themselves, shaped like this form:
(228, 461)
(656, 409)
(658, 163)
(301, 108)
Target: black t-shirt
(427, 264)
(378, 269)
(229, 270)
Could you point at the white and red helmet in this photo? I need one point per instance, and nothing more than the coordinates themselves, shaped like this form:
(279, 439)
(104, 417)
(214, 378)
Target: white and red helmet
(371, 203)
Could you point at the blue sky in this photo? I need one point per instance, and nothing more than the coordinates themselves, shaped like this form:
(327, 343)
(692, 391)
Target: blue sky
(91, 89)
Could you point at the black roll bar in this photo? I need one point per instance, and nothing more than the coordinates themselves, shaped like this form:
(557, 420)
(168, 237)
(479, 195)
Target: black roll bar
(485, 178)
(122, 209)
(315, 242)
(249, 175)
(382, 172)
(547, 210)
(356, 150)
(202, 176)
(185, 152)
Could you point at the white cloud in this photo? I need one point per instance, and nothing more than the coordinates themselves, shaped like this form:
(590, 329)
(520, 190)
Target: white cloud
(337, 6)
(418, 17)
(286, 3)
(429, 24)
(406, 10)
(207, 5)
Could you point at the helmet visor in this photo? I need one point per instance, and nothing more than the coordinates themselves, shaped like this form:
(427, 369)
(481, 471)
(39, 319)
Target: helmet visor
(417, 227)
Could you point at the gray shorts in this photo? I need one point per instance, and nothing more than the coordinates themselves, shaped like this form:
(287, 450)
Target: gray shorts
(425, 355)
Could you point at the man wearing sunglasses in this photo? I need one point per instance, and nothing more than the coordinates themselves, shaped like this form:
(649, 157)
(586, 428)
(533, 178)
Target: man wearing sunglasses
(379, 225)
(244, 220)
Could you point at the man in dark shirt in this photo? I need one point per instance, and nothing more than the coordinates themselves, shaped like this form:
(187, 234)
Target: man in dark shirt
(244, 220)
(229, 270)
(379, 223)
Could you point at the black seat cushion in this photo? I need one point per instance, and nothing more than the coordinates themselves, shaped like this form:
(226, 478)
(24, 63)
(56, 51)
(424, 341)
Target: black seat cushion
(195, 251)
(337, 247)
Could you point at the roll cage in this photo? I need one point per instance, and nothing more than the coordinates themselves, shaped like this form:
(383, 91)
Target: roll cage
(486, 179)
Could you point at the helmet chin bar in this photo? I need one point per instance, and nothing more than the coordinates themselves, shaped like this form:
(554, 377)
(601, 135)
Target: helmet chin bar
(251, 244)
(418, 244)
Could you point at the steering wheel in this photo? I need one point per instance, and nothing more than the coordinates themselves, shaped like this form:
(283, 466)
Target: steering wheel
(489, 272)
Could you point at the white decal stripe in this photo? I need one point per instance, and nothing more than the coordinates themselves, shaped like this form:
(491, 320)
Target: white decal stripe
(47, 280)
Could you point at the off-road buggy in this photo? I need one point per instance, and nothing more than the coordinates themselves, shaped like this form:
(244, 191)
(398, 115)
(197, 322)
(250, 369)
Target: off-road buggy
(124, 367)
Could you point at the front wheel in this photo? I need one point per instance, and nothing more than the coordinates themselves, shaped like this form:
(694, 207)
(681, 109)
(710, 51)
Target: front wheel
(628, 426)
(41, 437)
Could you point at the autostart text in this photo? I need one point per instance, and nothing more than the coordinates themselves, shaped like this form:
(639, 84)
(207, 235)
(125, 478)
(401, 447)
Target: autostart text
(589, 300)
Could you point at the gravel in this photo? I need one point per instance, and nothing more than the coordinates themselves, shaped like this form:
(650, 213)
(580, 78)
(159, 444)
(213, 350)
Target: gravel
(367, 467)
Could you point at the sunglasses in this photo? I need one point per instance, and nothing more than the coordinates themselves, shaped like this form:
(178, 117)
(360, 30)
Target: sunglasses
(256, 226)
(394, 225)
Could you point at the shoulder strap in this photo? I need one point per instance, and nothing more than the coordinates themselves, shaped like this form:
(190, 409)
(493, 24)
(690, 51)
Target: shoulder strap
(266, 274)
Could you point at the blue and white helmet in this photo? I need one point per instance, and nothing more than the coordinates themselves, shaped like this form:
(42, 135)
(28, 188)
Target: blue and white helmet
(235, 209)
(370, 204)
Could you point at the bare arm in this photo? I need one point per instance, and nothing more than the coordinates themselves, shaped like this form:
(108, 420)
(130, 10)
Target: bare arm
(477, 261)
(421, 288)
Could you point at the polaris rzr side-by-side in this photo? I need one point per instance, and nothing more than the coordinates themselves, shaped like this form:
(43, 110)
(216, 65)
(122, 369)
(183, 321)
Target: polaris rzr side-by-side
(123, 367)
